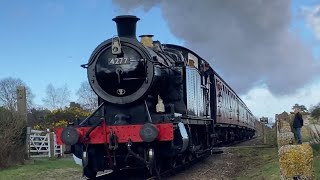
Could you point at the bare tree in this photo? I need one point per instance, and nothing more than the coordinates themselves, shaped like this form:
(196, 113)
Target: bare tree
(57, 98)
(8, 93)
(86, 97)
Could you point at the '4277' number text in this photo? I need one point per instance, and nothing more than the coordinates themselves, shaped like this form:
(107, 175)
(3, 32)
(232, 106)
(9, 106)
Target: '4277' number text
(116, 61)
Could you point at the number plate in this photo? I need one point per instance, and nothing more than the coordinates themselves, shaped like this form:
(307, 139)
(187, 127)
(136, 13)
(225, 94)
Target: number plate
(118, 61)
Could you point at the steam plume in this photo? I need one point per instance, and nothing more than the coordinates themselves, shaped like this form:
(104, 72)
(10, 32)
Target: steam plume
(248, 42)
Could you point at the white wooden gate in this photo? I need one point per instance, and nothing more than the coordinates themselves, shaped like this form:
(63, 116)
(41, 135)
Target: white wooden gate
(39, 144)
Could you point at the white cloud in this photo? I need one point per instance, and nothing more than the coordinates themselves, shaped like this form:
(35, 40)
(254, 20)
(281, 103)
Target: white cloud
(312, 18)
(262, 103)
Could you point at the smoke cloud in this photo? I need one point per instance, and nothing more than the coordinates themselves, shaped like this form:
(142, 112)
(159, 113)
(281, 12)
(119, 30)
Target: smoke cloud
(247, 42)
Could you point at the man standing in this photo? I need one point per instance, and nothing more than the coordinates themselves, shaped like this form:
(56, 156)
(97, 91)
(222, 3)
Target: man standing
(297, 124)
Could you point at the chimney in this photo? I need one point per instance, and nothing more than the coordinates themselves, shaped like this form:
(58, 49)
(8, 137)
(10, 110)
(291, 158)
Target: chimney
(126, 25)
(146, 40)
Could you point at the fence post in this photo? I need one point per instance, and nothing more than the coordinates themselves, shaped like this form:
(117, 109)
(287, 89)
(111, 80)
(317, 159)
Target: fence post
(264, 134)
(28, 142)
(51, 145)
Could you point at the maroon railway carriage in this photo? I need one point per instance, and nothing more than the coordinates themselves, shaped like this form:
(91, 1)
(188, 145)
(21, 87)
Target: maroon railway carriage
(159, 105)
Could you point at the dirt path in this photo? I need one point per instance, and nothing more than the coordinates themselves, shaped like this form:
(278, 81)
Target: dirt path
(227, 165)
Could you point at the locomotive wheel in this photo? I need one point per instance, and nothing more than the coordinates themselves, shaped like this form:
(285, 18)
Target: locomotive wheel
(190, 157)
(157, 166)
(173, 163)
(156, 162)
(183, 160)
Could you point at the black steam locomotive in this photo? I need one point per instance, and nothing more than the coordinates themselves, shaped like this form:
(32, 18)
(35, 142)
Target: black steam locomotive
(160, 105)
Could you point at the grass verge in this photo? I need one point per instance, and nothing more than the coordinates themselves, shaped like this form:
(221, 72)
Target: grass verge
(261, 163)
(43, 169)
(316, 154)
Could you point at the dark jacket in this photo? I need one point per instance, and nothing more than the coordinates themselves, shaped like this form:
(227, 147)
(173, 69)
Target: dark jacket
(297, 121)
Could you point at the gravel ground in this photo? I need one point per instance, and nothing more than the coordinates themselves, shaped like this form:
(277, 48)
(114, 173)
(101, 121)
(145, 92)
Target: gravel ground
(217, 166)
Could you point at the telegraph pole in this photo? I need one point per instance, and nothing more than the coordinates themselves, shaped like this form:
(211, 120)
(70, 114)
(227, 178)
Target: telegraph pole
(22, 110)
(22, 102)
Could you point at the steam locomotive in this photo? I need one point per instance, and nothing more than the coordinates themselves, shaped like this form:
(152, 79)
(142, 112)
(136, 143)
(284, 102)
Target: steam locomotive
(160, 105)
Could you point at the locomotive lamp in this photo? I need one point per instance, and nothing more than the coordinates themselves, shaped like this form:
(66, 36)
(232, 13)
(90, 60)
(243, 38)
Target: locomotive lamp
(116, 46)
(160, 105)
(69, 136)
(149, 132)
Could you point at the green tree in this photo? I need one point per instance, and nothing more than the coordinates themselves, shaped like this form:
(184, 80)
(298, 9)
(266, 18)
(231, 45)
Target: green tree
(315, 112)
(37, 116)
(60, 117)
(301, 107)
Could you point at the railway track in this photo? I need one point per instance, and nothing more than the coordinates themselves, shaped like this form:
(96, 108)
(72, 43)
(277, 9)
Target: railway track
(141, 175)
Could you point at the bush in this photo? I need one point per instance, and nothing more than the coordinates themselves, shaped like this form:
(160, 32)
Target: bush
(59, 118)
(12, 138)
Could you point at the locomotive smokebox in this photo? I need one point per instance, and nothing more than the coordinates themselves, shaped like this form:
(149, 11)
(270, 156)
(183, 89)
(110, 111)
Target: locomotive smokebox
(126, 25)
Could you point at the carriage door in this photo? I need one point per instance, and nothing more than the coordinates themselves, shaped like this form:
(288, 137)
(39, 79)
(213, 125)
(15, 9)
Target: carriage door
(206, 87)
